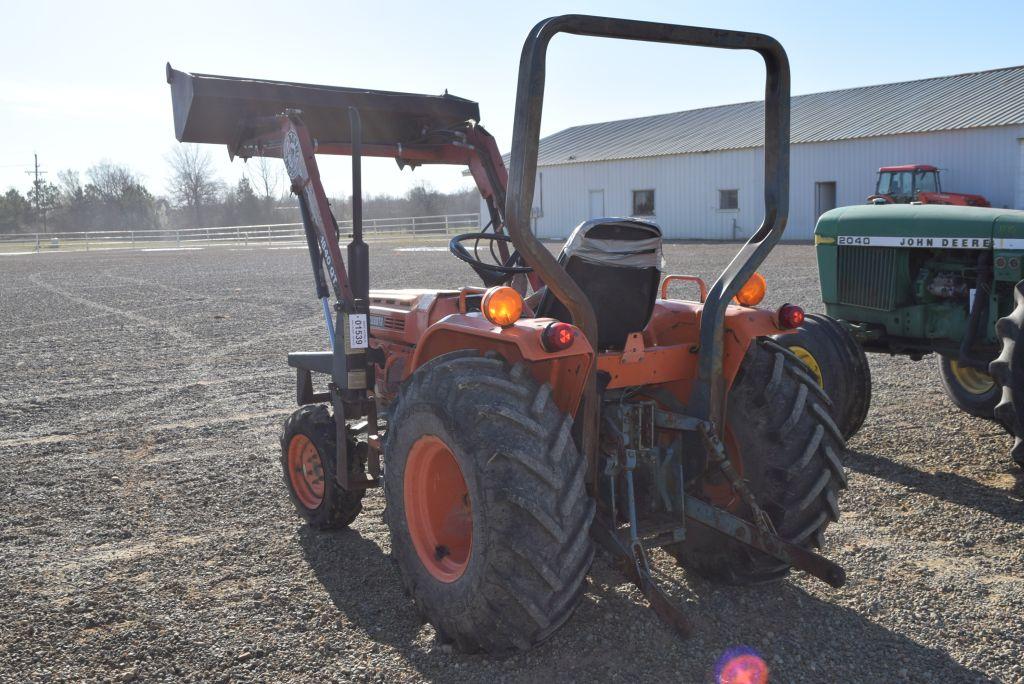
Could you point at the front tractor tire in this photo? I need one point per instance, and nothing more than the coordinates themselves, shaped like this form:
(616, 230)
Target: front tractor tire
(971, 390)
(486, 503)
(309, 461)
(838, 364)
(1008, 371)
(787, 447)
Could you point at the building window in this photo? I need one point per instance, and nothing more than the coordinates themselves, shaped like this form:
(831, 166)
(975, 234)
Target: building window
(728, 200)
(643, 203)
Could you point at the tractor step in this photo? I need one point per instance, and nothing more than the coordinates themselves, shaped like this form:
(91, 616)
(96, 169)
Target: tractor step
(317, 362)
(305, 364)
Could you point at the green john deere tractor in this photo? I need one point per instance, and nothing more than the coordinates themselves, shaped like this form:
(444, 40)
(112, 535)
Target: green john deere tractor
(916, 280)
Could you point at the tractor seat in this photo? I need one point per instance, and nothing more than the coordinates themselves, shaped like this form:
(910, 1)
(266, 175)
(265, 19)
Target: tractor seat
(617, 263)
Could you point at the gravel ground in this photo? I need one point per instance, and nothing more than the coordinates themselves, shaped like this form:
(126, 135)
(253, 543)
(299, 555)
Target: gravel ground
(145, 533)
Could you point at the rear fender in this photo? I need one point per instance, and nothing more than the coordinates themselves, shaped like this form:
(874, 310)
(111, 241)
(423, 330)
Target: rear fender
(565, 370)
(674, 333)
(741, 329)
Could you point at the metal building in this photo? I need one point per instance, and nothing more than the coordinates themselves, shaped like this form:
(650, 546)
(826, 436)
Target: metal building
(698, 173)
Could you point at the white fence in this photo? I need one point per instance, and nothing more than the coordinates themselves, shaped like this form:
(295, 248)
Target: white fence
(267, 235)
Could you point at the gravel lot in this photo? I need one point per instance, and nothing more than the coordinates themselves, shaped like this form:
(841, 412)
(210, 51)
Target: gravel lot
(145, 532)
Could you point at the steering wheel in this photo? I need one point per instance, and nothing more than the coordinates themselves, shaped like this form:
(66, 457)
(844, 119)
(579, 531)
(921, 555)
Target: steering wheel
(496, 271)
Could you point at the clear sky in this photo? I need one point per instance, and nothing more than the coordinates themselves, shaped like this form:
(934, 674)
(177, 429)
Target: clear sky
(84, 81)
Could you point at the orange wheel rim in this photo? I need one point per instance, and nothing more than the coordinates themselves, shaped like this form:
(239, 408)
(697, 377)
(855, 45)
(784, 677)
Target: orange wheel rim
(438, 509)
(306, 471)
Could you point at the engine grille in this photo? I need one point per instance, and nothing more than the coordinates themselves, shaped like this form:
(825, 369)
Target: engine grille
(868, 277)
(387, 322)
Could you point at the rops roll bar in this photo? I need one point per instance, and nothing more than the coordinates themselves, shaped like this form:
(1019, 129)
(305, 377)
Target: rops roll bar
(707, 398)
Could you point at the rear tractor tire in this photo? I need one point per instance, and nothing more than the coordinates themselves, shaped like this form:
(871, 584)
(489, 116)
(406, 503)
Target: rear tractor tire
(782, 438)
(309, 461)
(1008, 371)
(971, 390)
(486, 503)
(838, 364)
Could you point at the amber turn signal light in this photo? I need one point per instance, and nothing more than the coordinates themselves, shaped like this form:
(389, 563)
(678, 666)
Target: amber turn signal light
(753, 290)
(790, 316)
(502, 306)
(557, 336)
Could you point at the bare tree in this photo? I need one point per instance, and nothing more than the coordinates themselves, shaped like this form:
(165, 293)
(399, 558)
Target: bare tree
(424, 200)
(70, 183)
(110, 181)
(266, 176)
(193, 181)
(119, 197)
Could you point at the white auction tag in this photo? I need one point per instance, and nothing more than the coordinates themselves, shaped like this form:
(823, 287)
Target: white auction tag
(358, 331)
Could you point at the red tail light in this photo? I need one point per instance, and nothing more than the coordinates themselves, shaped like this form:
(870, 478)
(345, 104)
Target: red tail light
(790, 316)
(557, 336)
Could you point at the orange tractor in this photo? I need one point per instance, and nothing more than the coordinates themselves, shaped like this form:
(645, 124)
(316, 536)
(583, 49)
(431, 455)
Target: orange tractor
(909, 183)
(566, 401)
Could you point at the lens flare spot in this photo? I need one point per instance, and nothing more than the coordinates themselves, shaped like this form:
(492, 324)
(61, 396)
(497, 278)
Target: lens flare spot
(742, 666)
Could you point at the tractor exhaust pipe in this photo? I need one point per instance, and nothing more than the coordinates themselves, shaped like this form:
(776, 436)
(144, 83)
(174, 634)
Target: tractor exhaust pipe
(356, 312)
(358, 251)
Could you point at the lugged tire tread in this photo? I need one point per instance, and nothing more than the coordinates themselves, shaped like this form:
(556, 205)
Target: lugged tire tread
(794, 439)
(837, 467)
(850, 407)
(797, 411)
(809, 452)
(531, 479)
(340, 507)
(1008, 371)
(819, 486)
(811, 528)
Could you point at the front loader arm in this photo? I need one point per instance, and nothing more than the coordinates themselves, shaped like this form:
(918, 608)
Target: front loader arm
(299, 157)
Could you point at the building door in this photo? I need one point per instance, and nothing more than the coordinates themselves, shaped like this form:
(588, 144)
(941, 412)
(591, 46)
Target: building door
(824, 197)
(1019, 199)
(596, 204)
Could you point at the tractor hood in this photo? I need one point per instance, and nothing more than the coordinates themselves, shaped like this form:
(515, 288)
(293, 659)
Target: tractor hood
(921, 226)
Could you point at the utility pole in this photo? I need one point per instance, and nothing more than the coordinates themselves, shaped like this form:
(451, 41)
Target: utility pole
(37, 186)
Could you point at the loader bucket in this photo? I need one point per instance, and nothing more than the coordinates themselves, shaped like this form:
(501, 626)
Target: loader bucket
(224, 110)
